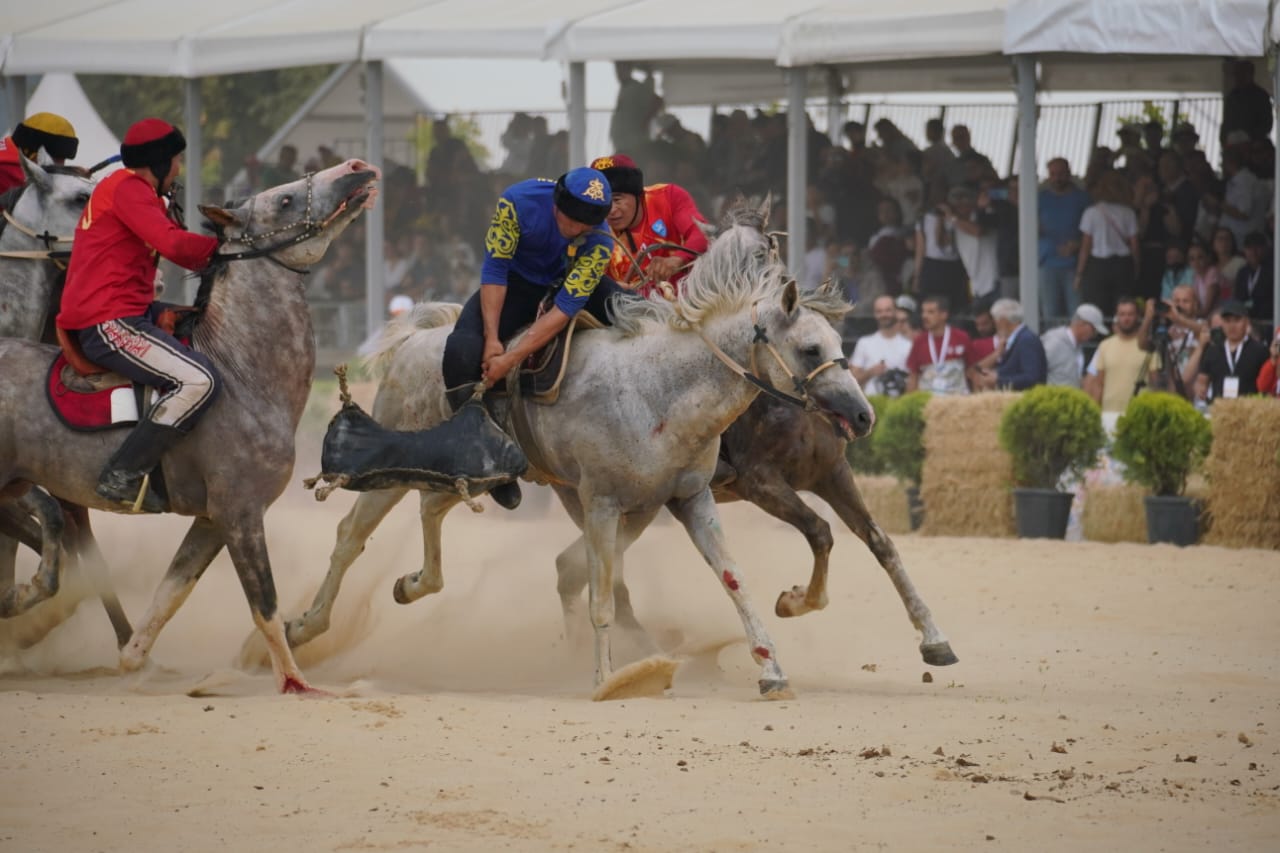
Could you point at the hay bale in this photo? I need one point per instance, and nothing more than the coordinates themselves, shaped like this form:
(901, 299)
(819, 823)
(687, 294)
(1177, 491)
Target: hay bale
(1243, 470)
(1114, 513)
(886, 500)
(967, 475)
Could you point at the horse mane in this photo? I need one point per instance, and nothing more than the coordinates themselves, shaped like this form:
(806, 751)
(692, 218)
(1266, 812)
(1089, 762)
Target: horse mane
(828, 300)
(423, 315)
(737, 270)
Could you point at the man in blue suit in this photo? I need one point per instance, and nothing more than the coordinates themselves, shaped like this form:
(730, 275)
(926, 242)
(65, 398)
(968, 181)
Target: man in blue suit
(1021, 362)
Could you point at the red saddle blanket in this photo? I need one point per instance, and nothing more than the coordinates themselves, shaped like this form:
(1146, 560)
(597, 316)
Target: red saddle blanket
(87, 406)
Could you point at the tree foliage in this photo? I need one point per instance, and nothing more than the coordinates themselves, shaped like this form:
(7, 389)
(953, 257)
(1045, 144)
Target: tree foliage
(1050, 430)
(239, 112)
(899, 438)
(1161, 439)
(861, 454)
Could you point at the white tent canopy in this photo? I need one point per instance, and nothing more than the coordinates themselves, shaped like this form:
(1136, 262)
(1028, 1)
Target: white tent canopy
(61, 94)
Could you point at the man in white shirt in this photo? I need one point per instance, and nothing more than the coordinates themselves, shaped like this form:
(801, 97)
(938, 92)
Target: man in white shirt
(881, 352)
(1062, 346)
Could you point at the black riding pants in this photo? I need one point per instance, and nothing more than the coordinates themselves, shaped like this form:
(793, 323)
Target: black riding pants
(464, 349)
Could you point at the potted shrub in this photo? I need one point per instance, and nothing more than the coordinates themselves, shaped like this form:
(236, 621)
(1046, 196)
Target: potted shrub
(1160, 439)
(898, 441)
(861, 454)
(1049, 431)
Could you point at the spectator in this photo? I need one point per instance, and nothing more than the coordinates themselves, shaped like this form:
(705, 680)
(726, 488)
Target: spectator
(908, 321)
(982, 329)
(898, 145)
(887, 249)
(1178, 193)
(1107, 264)
(1184, 139)
(879, 360)
(1269, 375)
(518, 140)
(1205, 277)
(1157, 225)
(898, 181)
(958, 173)
(1228, 258)
(976, 241)
(1253, 284)
(1120, 366)
(1153, 140)
(636, 106)
(1247, 107)
(940, 354)
(284, 170)
(999, 201)
(1244, 206)
(1063, 346)
(1062, 204)
(937, 158)
(1172, 327)
(938, 268)
(1176, 271)
(1230, 369)
(1020, 359)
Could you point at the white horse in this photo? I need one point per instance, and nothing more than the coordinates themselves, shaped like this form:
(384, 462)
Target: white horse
(636, 426)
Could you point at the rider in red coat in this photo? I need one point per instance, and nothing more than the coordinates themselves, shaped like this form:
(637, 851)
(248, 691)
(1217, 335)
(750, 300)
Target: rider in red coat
(109, 304)
(42, 131)
(647, 216)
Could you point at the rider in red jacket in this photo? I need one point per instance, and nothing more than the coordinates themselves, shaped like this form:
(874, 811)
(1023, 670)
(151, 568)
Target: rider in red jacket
(647, 216)
(109, 304)
(42, 131)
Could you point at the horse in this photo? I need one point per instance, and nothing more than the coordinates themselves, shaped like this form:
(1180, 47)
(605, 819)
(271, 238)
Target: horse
(256, 328)
(636, 426)
(39, 221)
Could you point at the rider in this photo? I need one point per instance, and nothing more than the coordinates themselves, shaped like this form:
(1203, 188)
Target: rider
(109, 302)
(545, 237)
(647, 216)
(46, 132)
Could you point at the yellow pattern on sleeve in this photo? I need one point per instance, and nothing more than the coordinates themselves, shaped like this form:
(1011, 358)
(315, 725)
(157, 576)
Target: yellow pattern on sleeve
(504, 231)
(586, 272)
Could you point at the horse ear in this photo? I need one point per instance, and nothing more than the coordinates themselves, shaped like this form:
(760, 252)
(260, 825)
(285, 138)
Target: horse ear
(35, 173)
(220, 216)
(766, 207)
(706, 228)
(790, 297)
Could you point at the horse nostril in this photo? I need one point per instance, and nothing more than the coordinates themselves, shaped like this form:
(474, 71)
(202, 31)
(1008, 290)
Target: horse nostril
(862, 422)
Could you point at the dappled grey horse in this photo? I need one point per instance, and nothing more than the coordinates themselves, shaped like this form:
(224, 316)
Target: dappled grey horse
(256, 328)
(35, 239)
(636, 426)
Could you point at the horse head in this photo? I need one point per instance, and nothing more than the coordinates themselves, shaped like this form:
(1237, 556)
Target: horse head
(49, 204)
(742, 234)
(799, 351)
(294, 223)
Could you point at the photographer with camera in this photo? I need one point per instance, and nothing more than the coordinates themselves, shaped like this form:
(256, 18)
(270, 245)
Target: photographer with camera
(879, 360)
(1171, 328)
(1232, 360)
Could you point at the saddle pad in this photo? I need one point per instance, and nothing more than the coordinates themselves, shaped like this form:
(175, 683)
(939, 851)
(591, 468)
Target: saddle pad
(363, 455)
(103, 408)
(542, 372)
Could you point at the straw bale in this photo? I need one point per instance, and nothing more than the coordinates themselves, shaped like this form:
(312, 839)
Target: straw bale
(886, 500)
(1114, 513)
(967, 475)
(1243, 470)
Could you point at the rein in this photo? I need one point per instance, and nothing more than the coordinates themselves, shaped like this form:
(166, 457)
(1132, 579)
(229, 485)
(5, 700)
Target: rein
(58, 256)
(802, 398)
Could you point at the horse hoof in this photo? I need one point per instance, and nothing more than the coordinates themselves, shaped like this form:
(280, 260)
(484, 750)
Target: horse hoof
(776, 689)
(399, 593)
(938, 654)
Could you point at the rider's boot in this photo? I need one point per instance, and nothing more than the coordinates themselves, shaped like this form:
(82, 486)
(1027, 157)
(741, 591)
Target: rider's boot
(123, 480)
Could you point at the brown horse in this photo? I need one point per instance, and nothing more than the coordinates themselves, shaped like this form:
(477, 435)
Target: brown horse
(256, 329)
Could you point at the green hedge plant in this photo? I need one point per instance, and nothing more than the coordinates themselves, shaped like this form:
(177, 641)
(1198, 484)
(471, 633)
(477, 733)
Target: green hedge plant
(898, 440)
(861, 454)
(1161, 439)
(1051, 430)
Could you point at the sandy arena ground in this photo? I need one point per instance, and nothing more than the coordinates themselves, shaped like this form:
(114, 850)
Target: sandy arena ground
(1109, 697)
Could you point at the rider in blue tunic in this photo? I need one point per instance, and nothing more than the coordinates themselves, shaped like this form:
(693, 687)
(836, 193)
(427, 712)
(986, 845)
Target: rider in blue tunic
(545, 236)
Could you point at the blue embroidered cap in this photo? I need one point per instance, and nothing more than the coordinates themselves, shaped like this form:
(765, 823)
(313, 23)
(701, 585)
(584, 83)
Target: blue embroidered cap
(583, 195)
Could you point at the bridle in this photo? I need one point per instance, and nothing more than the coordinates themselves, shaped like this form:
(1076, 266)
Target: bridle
(309, 225)
(48, 253)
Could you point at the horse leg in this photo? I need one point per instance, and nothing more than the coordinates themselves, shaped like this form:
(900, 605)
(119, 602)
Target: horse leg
(246, 542)
(95, 567)
(201, 544)
(353, 531)
(601, 529)
(430, 578)
(699, 516)
(776, 497)
(572, 574)
(18, 598)
(841, 492)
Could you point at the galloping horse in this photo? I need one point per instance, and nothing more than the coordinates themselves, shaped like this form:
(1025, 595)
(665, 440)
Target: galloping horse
(35, 234)
(257, 330)
(637, 423)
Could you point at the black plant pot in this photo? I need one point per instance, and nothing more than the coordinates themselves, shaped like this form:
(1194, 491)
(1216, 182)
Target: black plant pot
(1042, 513)
(915, 507)
(1171, 519)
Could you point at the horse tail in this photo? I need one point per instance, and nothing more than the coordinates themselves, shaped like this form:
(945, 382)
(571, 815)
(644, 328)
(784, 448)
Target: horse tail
(424, 315)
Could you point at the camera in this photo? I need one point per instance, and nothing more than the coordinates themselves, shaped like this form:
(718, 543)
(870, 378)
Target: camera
(894, 382)
(1217, 337)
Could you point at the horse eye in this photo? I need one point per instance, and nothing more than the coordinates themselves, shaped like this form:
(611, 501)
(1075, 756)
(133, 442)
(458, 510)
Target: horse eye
(811, 352)
(82, 198)
(286, 201)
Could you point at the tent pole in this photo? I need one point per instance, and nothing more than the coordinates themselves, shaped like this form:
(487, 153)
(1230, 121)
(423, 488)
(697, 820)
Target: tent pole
(797, 151)
(835, 109)
(374, 273)
(1275, 235)
(16, 97)
(577, 114)
(193, 193)
(1028, 194)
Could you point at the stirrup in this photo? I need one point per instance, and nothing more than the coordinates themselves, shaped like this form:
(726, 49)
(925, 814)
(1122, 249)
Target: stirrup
(143, 488)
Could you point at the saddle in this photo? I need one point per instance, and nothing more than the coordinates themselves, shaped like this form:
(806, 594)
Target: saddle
(541, 374)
